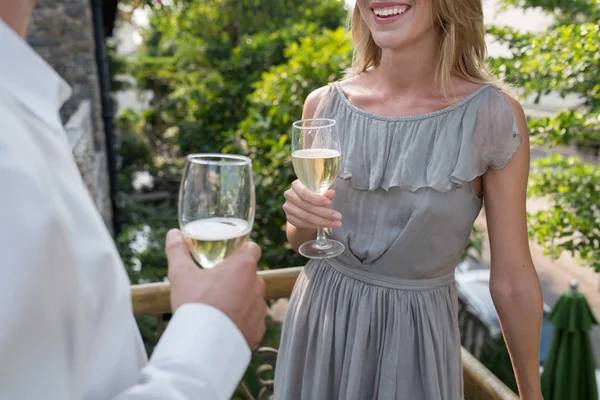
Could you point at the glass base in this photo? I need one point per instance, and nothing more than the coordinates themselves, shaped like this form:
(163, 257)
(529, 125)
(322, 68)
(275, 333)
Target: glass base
(332, 248)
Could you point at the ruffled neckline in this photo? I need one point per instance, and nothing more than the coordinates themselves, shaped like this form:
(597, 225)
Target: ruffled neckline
(440, 150)
(431, 114)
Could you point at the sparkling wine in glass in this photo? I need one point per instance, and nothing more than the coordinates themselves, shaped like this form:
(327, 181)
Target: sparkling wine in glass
(316, 159)
(216, 205)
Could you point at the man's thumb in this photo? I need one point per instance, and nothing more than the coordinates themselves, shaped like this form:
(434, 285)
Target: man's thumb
(178, 254)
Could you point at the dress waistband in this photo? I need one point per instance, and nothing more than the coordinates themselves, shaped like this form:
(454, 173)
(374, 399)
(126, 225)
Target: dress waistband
(389, 281)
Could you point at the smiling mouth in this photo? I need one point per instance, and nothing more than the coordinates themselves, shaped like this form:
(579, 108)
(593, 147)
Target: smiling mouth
(387, 12)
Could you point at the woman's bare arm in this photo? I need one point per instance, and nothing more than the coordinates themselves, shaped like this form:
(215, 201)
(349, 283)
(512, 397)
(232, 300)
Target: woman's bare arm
(514, 283)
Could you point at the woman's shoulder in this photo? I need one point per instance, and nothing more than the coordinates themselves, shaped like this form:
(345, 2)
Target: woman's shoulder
(512, 102)
(501, 93)
(498, 105)
(502, 104)
(314, 100)
(318, 98)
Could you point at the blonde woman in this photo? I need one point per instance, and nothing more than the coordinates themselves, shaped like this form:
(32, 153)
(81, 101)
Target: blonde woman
(421, 121)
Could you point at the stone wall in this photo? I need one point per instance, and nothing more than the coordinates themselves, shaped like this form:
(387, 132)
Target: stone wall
(62, 32)
(91, 164)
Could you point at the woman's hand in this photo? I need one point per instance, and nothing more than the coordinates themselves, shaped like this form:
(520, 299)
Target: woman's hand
(308, 210)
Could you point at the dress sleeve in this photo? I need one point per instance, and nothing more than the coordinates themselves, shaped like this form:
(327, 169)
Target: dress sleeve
(490, 137)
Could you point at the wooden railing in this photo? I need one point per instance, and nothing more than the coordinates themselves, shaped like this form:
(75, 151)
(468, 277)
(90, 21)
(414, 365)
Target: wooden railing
(153, 299)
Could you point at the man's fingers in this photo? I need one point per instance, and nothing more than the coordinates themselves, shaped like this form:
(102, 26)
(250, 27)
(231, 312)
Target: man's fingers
(178, 254)
(249, 254)
(261, 287)
(253, 251)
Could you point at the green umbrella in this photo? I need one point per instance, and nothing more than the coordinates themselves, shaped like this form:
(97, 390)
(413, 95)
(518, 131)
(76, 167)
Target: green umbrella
(569, 370)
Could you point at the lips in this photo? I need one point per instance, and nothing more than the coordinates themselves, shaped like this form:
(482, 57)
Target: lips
(388, 12)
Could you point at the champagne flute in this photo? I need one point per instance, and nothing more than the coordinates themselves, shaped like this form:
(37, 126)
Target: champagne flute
(316, 159)
(216, 205)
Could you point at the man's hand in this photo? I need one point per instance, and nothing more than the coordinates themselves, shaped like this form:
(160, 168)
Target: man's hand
(232, 287)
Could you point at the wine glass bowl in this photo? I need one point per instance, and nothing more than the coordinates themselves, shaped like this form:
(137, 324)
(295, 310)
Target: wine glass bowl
(216, 205)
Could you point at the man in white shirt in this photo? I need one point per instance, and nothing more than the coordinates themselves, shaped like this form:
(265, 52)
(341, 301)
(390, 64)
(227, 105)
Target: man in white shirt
(67, 331)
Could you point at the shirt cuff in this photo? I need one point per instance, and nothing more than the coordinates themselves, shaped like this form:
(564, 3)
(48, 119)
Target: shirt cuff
(209, 342)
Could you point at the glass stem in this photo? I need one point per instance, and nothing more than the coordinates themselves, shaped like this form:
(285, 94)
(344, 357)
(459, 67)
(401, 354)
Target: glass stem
(321, 239)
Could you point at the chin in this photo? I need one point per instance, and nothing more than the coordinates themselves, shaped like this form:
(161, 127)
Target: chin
(391, 40)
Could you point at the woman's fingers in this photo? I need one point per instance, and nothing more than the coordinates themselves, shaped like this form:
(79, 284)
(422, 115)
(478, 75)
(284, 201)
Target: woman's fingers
(300, 217)
(323, 212)
(310, 197)
(305, 209)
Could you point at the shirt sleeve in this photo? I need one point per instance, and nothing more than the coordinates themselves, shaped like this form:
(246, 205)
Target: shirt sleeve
(201, 355)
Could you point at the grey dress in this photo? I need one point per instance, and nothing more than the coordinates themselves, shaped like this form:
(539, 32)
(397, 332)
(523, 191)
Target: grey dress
(380, 321)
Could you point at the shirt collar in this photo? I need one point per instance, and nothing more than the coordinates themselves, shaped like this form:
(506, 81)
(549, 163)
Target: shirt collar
(27, 77)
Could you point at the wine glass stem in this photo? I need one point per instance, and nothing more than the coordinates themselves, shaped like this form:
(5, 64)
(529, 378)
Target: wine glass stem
(321, 239)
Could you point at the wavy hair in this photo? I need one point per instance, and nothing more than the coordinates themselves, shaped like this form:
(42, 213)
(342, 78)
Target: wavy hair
(462, 48)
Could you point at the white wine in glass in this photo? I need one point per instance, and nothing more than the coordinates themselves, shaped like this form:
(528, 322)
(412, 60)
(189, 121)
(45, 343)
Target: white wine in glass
(216, 206)
(316, 168)
(316, 159)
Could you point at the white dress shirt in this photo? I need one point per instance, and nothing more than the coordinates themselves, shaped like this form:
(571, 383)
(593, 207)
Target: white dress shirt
(66, 325)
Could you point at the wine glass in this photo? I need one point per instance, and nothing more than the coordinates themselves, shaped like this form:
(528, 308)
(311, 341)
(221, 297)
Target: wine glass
(316, 159)
(216, 205)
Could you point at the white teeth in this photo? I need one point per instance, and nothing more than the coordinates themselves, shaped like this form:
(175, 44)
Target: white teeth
(389, 11)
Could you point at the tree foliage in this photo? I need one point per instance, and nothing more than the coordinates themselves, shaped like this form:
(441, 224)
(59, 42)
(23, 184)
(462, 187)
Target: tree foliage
(201, 59)
(578, 128)
(211, 87)
(264, 134)
(573, 222)
(564, 11)
(563, 59)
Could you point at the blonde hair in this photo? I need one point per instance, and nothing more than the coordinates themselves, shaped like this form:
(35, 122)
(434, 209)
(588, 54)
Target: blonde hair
(462, 48)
